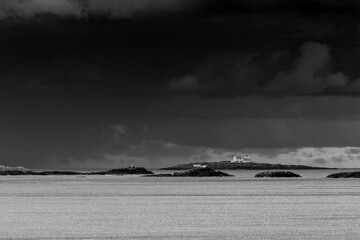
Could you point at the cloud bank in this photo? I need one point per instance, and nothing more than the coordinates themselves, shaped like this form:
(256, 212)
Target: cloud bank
(129, 8)
(29, 8)
(310, 69)
(310, 73)
(186, 83)
(81, 8)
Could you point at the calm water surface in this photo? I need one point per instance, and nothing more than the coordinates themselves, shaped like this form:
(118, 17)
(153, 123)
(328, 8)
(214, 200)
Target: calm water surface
(131, 207)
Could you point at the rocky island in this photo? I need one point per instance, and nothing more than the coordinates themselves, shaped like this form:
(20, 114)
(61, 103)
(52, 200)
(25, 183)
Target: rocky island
(124, 171)
(278, 174)
(119, 171)
(4, 170)
(345, 175)
(227, 165)
(195, 172)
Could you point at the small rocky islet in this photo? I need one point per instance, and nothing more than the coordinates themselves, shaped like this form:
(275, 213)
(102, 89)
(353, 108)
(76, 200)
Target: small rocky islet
(124, 171)
(345, 175)
(277, 174)
(195, 172)
(202, 172)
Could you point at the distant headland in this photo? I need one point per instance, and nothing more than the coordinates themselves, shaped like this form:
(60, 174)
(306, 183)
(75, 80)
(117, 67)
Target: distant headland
(238, 164)
(194, 172)
(4, 170)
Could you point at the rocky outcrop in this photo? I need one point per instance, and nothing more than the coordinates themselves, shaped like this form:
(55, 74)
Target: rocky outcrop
(195, 172)
(201, 172)
(234, 166)
(345, 175)
(4, 170)
(279, 174)
(47, 173)
(125, 171)
(158, 175)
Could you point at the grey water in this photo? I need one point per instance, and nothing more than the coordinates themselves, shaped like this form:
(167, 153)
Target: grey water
(133, 207)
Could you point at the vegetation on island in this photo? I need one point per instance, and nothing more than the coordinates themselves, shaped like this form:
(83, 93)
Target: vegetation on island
(195, 172)
(227, 165)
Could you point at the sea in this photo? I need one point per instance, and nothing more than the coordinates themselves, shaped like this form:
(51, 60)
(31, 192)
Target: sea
(134, 207)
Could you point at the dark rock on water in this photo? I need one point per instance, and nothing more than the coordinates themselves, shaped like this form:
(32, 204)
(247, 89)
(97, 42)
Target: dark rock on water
(345, 175)
(158, 175)
(48, 173)
(15, 173)
(195, 172)
(125, 171)
(201, 172)
(280, 174)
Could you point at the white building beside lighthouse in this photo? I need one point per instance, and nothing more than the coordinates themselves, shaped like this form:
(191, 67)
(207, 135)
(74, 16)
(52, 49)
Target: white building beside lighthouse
(241, 159)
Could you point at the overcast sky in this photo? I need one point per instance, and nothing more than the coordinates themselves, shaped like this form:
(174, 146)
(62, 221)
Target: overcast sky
(109, 83)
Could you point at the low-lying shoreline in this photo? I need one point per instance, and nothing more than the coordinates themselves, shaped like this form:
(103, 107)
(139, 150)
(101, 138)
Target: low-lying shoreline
(118, 171)
(193, 172)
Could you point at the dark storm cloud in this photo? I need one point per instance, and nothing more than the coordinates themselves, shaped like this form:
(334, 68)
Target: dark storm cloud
(127, 8)
(310, 73)
(82, 8)
(186, 83)
(306, 70)
(140, 80)
(281, 6)
(28, 8)
(189, 52)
